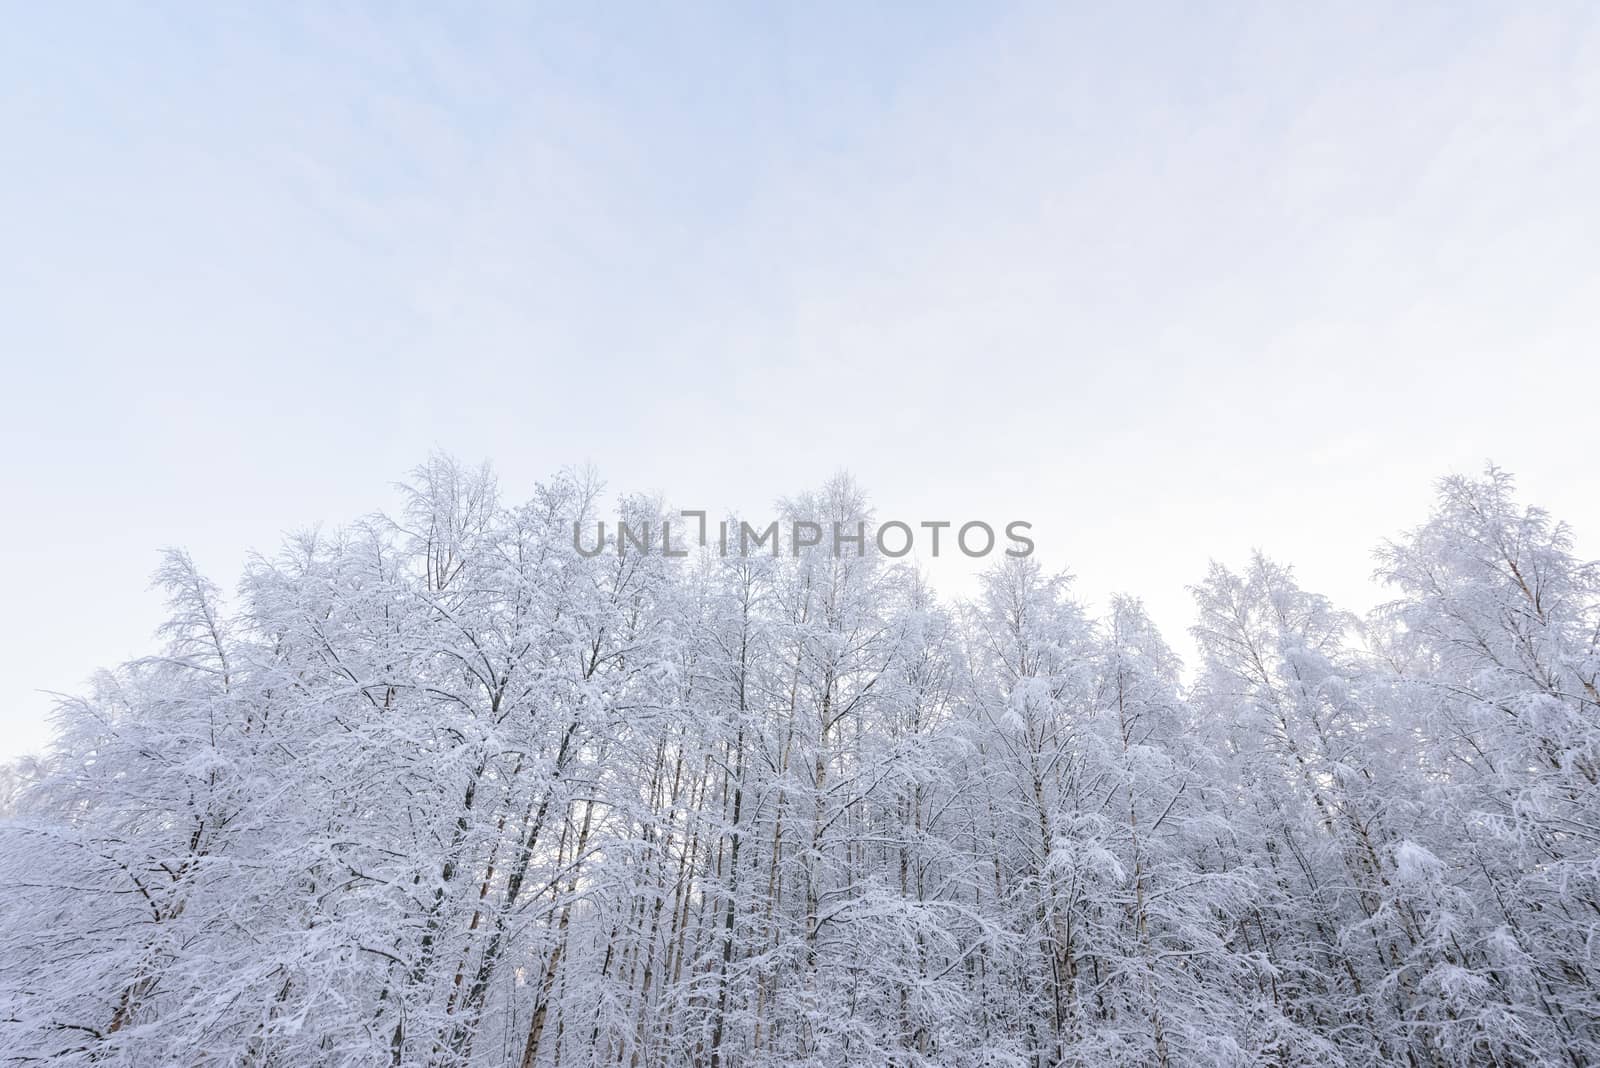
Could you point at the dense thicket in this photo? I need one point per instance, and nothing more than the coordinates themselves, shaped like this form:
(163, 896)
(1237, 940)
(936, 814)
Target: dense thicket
(441, 790)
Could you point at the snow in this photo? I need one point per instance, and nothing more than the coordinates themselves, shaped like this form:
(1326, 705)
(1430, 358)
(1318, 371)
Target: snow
(441, 790)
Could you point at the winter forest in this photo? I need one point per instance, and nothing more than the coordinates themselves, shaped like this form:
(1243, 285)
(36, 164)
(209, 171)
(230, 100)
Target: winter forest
(437, 789)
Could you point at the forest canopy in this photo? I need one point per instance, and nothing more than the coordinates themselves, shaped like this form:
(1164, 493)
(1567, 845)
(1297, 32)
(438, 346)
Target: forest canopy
(439, 788)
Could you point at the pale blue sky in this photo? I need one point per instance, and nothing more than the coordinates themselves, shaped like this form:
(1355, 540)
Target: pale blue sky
(1170, 282)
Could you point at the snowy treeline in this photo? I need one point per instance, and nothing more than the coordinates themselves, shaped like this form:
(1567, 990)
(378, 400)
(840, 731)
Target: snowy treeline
(439, 790)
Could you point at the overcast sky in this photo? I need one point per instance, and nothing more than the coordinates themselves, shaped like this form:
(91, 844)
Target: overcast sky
(1169, 282)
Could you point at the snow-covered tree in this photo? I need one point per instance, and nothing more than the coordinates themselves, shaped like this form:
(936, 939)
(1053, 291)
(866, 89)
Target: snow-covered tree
(452, 788)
